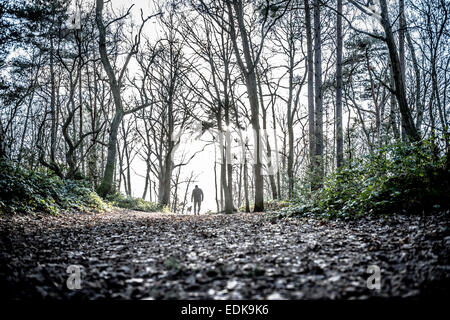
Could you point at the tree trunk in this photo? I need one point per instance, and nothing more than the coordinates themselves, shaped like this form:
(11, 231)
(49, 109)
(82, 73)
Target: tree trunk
(393, 114)
(273, 185)
(247, 202)
(318, 176)
(339, 130)
(165, 182)
(106, 186)
(249, 73)
(401, 51)
(228, 179)
(92, 160)
(147, 180)
(215, 180)
(418, 101)
(239, 187)
(400, 92)
(310, 67)
(290, 128)
(223, 174)
(52, 105)
(277, 156)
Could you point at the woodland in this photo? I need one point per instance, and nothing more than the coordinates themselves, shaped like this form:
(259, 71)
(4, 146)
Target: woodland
(318, 130)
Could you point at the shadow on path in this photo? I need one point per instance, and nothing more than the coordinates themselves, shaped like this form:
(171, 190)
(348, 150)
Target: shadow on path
(134, 255)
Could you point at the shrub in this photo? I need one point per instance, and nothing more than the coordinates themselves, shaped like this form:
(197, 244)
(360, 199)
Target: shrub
(25, 191)
(275, 204)
(138, 204)
(397, 178)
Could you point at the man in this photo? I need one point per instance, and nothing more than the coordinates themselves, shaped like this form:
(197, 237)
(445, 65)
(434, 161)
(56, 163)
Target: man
(197, 198)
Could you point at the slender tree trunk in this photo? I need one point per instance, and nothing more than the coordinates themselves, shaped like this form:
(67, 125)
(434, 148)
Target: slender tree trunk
(339, 128)
(165, 183)
(393, 113)
(400, 92)
(147, 179)
(223, 174)
(121, 175)
(418, 101)
(106, 186)
(249, 72)
(277, 155)
(92, 160)
(166, 179)
(127, 157)
(150, 196)
(310, 68)
(247, 202)
(215, 180)
(273, 185)
(228, 179)
(175, 192)
(318, 96)
(25, 129)
(80, 101)
(401, 51)
(52, 105)
(239, 187)
(290, 128)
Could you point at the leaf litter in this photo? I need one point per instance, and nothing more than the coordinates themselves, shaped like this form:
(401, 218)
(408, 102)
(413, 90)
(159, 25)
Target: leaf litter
(134, 255)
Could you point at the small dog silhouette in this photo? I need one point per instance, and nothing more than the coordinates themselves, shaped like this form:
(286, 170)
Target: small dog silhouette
(189, 209)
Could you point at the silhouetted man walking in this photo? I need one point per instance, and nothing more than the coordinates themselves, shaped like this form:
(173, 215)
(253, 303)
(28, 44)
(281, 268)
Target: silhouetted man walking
(197, 197)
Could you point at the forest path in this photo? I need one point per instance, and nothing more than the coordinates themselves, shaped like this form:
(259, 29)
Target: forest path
(127, 254)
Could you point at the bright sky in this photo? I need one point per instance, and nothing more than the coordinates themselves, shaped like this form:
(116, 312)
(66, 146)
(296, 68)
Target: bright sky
(203, 164)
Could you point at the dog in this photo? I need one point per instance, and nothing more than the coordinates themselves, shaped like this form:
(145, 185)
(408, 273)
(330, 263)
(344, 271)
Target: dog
(189, 209)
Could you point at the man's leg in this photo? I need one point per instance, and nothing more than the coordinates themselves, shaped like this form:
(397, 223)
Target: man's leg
(195, 207)
(199, 205)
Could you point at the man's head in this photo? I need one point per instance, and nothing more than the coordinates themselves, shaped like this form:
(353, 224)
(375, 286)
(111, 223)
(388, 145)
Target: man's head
(196, 186)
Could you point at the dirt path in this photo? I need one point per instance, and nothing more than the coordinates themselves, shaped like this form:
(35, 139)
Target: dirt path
(127, 254)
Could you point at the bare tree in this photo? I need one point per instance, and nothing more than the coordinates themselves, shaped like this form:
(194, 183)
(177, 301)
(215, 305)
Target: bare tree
(115, 82)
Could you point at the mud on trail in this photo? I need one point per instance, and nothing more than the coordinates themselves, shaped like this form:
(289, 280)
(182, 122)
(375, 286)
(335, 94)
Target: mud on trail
(135, 255)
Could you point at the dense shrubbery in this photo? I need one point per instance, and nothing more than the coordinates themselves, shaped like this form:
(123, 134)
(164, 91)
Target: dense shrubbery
(138, 204)
(24, 191)
(399, 178)
(276, 204)
(27, 191)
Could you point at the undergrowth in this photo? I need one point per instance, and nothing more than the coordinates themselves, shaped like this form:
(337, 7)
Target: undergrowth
(398, 178)
(32, 191)
(26, 191)
(138, 204)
